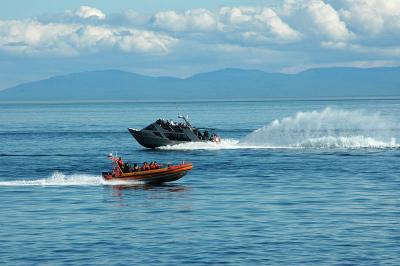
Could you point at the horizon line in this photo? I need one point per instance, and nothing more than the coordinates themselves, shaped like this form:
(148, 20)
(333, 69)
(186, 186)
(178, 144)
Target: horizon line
(272, 99)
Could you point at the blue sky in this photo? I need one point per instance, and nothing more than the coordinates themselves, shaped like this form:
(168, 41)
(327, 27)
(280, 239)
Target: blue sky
(39, 39)
(32, 8)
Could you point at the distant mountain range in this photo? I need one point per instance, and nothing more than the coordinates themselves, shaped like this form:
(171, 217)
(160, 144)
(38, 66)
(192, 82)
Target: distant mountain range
(221, 84)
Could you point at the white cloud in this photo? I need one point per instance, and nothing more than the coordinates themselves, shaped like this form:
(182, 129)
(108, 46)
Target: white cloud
(90, 12)
(93, 38)
(170, 20)
(277, 27)
(289, 6)
(327, 21)
(365, 28)
(194, 20)
(372, 16)
(33, 37)
(256, 26)
(236, 15)
(202, 19)
(146, 41)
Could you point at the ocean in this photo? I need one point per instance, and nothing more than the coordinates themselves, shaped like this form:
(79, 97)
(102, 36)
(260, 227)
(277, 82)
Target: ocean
(312, 182)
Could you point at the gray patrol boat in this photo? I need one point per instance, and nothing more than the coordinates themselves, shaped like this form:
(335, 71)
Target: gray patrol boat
(165, 132)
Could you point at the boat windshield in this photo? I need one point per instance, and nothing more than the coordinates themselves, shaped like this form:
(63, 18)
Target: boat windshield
(170, 124)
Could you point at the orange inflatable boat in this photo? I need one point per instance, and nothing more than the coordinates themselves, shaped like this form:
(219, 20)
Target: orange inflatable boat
(162, 174)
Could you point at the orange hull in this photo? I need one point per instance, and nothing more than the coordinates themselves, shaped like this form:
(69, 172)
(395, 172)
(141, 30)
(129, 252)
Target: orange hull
(162, 175)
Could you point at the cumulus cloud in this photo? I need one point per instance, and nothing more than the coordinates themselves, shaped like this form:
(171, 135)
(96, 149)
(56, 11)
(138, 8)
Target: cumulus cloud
(170, 20)
(236, 15)
(277, 27)
(192, 20)
(372, 16)
(293, 34)
(90, 12)
(243, 24)
(257, 26)
(83, 15)
(344, 26)
(33, 37)
(289, 6)
(146, 41)
(327, 21)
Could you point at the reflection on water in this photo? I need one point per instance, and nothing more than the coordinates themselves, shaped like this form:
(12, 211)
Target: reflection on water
(158, 191)
(155, 187)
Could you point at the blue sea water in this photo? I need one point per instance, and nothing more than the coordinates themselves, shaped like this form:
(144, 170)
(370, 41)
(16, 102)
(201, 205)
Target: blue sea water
(312, 182)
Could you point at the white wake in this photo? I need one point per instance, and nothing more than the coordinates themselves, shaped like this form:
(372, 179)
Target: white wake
(224, 144)
(60, 179)
(328, 128)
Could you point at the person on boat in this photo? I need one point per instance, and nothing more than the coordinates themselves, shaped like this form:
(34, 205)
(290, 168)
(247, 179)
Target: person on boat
(206, 135)
(120, 163)
(198, 133)
(136, 168)
(213, 137)
(126, 167)
(154, 165)
(145, 166)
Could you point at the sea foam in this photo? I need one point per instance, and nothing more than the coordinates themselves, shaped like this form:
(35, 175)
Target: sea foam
(327, 128)
(60, 179)
(57, 179)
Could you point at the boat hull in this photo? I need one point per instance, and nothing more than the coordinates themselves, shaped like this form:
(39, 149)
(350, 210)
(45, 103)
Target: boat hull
(156, 176)
(150, 141)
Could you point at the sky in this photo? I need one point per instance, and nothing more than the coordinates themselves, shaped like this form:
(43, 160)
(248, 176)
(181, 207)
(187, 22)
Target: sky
(43, 38)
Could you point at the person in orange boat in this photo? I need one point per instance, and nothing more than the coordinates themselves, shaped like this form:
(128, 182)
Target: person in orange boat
(126, 167)
(145, 166)
(136, 168)
(120, 162)
(156, 165)
(153, 166)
